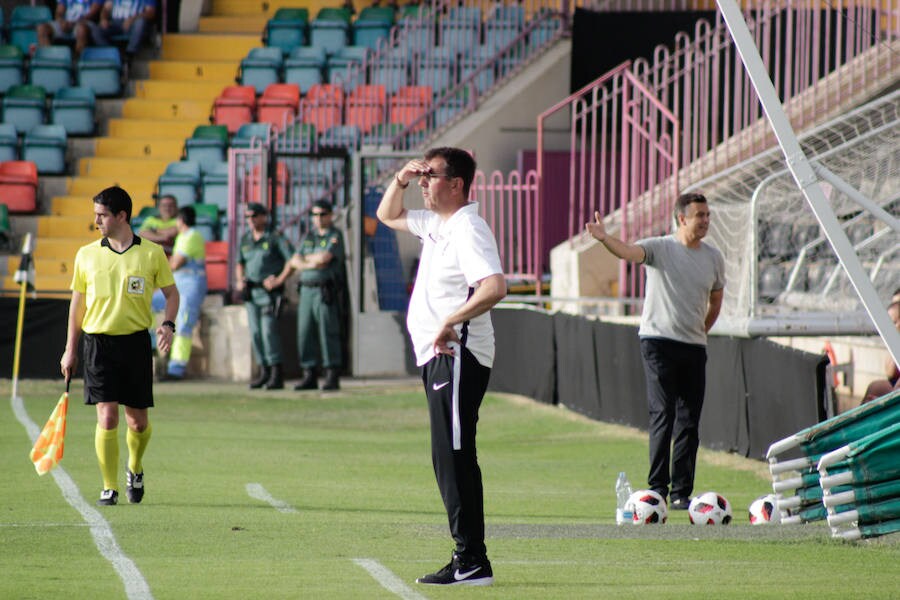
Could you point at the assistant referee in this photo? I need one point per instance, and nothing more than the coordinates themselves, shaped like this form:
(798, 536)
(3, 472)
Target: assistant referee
(112, 285)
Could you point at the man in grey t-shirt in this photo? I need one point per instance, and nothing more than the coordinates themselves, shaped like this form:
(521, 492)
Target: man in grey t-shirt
(685, 284)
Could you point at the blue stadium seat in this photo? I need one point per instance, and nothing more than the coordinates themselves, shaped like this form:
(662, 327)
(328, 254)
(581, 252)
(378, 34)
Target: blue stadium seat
(214, 186)
(51, 68)
(250, 133)
(305, 66)
(24, 106)
(12, 67)
(45, 146)
(343, 67)
(207, 146)
(346, 136)
(9, 142)
(391, 76)
(208, 223)
(261, 67)
(373, 24)
(23, 25)
(182, 180)
(287, 29)
(100, 68)
(330, 29)
(73, 108)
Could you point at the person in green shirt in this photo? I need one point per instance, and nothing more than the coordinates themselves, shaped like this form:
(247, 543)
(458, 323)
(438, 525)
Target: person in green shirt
(188, 262)
(262, 267)
(322, 287)
(162, 229)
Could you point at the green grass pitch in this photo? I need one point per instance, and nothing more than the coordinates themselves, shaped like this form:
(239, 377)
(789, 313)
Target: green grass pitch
(349, 475)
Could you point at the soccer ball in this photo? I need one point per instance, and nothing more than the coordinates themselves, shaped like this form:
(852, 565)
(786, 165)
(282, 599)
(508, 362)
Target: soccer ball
(764, 510)
(710, 508)
(647, 507)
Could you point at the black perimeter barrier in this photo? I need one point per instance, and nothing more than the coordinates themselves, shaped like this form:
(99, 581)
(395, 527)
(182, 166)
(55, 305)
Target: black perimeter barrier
(757, 392)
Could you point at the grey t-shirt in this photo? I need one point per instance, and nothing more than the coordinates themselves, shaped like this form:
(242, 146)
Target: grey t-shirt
(679, 280)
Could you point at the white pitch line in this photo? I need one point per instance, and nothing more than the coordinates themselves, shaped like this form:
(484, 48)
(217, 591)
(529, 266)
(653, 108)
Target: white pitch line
(255, 490)
(386, 578)
(136, 587)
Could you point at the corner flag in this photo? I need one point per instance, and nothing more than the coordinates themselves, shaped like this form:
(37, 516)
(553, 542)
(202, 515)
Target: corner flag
(25, 273)
(48, 448)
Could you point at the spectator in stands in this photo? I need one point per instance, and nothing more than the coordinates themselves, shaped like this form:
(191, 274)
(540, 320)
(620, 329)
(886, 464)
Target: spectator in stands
(112, 283)
(162, 229)
(263, 266)
(132, 17)
(75, 22)
(188, 262)
(459, 280)
(321, 288)
(891, 382)
(685, 285)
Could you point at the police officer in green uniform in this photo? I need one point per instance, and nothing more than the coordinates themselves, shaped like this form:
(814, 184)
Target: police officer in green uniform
(263, 266)
(320, 260)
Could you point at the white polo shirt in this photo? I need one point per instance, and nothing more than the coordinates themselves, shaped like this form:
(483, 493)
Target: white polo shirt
(456, 254)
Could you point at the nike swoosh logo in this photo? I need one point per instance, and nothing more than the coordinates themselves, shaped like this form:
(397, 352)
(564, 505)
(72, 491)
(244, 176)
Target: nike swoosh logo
(460, 576)
(437, 386)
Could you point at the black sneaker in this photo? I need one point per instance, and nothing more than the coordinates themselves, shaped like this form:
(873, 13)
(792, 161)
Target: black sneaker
(108, 498)
(680, 504)
(134, 486)
(461, 572)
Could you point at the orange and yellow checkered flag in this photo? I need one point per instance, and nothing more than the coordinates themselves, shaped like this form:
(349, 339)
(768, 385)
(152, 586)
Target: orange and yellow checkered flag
(48, 449)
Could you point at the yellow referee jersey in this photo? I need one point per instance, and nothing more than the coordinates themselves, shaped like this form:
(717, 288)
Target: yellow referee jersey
(118, 287)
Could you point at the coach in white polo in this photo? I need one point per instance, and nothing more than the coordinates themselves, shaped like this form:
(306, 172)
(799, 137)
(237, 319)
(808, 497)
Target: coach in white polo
(458, 282)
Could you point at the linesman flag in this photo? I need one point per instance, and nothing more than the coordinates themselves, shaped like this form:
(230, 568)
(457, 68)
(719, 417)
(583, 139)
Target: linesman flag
(25, 272)
(48, 448)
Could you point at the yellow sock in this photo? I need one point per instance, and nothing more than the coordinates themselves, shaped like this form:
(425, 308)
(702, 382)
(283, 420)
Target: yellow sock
(137, 443)
(106, 443)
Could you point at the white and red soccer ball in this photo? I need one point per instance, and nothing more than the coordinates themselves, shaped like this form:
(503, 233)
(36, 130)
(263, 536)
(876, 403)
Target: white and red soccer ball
(710, 508)
(764, 510)
(647, 507)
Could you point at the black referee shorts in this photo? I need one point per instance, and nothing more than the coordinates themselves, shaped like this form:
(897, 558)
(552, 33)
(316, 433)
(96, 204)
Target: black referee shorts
(118, 368)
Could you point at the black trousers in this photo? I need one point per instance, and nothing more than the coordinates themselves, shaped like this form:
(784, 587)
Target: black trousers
(676, 382)
(455, 387)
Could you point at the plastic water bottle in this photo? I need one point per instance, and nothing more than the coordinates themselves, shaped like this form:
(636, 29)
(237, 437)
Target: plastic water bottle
(623, 492)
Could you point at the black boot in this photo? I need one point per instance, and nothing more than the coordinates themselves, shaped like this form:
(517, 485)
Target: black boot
(309, 381)
(264, 374)
(276, 380)
(331, 379)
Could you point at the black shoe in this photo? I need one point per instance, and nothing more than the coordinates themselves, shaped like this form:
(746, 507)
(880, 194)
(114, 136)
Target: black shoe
(680, 504)
(331, 379)
(461, 572)
(108, 498)
(309, 382)
(262, 378)
(134, 486)
(276, 379)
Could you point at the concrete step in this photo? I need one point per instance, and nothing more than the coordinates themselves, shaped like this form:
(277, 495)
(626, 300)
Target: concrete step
(83, 205)
(167, 110)
(44, 284)
(146, 128)
(194, 70)
(169, 149)
(266, 8)
(200, 47)
(113, 168)
(61, 267)
(173, 89)
(60, 247)
(140, 187)
(233, 24)
(54, 226)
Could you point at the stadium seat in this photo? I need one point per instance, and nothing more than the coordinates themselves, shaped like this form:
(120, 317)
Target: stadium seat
(100, 68)
(24, 106)
(460, 29)
(208, 223)
(235, 106)
(372, 25)
(23, 24)
(287, 29)
(5, 229)
(214, 186)
(18, 186)
(485, 78)
(51, 68)
(409, 104)
(330, 29)
(344, 136)
(251, 134)
(217, 266)
(298, 137)
(182, 180)
(346, 67)
(279, 104)
(437, 70)
(73, 108)
(282, 182)
(323, 106)
(382, 133)
(366, 107)
(12, 67)
(45, 146)
(143, 215)
(9, 142)
(207, 146)
(390, 75)
(261, 67)
(305, 66)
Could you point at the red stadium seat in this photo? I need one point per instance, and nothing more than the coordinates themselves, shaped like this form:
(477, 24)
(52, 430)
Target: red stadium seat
(410, 103)
(235, 106)
(278, 104)
(217, 266)
(366, 107)
(18, 185)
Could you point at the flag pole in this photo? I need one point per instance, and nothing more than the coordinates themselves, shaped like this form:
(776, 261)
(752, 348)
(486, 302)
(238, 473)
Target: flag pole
(23, 285)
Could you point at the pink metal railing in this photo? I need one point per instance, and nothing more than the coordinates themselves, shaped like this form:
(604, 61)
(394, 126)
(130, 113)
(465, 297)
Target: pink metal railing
(645, 129)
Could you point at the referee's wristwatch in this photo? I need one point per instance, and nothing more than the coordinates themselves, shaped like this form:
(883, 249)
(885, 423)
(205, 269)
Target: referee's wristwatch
(170, 325)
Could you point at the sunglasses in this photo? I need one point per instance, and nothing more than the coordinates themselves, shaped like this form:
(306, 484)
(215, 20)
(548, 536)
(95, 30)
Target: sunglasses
(320, 214)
